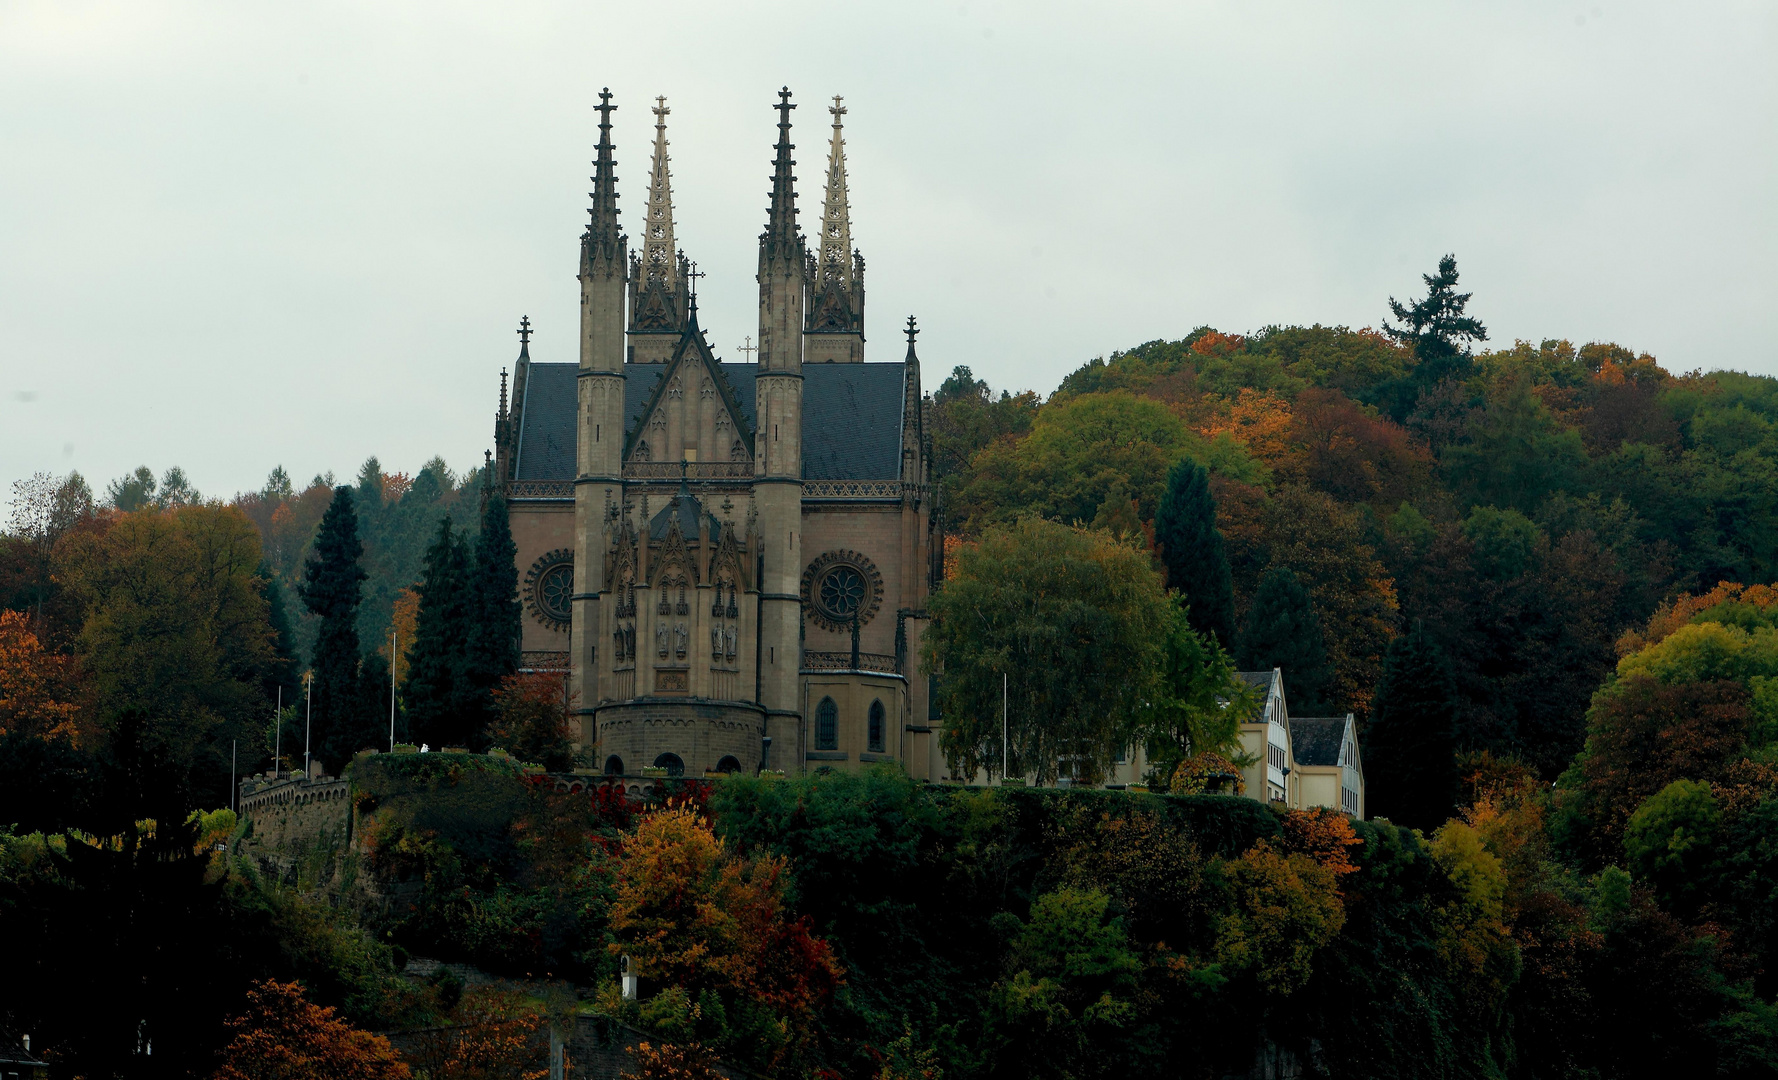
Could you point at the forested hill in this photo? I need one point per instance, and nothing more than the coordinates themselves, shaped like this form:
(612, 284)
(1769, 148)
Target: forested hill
(1524, 506)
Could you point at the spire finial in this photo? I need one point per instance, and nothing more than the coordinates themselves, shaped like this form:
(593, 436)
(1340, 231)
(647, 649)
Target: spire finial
(659, 255)
(524, 330)
(913, 331)
(602, 229)
(839, 295)
(781, 234)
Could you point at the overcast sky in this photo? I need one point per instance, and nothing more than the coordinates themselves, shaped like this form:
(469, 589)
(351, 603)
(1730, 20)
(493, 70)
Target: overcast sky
(234, 236)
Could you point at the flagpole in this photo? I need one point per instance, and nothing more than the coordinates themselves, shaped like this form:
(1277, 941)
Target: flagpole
(392, 657)
(1005, 743)
(308, 725)
(278, 737)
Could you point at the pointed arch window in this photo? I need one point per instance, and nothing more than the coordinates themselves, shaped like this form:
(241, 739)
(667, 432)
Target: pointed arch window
(877, 724)
(827, 725)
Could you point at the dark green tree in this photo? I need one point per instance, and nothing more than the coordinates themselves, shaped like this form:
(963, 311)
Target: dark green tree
(1436, 327)
(1409, 754)
(1284, 631)
(331, 588)
(492, 641)
(1191, 547)
(283, 669)
(434, 691)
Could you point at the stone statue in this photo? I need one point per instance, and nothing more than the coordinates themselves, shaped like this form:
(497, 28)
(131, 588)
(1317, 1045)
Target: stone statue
(660, 639)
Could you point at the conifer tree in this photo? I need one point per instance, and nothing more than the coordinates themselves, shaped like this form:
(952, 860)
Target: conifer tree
(332, 588)
(433, 692)
(492, 641)
(1437, 327)
(1191, 547)
(282, 672)
(1284, 631)
(1409, 753)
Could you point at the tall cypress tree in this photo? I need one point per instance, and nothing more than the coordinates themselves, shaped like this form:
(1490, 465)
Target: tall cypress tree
(331, 588)
(434, 690)
(492, 643)
(1191, 548)
(1409, 755)
(1283, 631)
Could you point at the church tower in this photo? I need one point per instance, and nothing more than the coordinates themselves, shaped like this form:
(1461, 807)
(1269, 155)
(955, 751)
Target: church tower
(836, 310)
(598, 488)
(658, 278)
(778, 460)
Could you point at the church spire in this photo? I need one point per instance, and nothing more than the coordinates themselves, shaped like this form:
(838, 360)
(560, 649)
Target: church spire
(836, 218)
(836, 310)
(780, 240)
(657, 275)
(602, 237)
(659, 256)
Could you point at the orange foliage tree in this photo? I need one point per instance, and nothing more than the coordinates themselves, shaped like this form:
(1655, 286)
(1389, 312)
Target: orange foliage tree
(494, 1034)
(531, 717)
(284, 1036)
(692, 1061)
(36, 686)
(694, 917)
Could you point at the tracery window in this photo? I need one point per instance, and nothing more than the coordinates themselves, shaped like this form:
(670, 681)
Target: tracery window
(827, 725)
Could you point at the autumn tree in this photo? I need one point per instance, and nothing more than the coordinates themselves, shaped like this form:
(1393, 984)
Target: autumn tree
(1067, 615)
(695, 919)
(1191, 548)
(1409, 756)
(175, 633)
(283, 1036)
(532, 717)
(1283, 631)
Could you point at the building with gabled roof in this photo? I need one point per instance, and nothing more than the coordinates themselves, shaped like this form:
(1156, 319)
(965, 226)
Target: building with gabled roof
(731, 560)
(1326, 766)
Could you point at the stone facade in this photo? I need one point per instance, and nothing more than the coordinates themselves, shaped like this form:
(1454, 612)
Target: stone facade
(726, 556)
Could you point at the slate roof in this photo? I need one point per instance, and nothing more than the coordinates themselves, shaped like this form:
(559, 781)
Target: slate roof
(851, 417)
(686, 507)
(1316, 740)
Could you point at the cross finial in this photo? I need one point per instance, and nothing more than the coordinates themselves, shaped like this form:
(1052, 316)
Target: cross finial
(837, 109)
(692, 275)
(660, 110)
(525, 330)
(912, 331)
(749, 347)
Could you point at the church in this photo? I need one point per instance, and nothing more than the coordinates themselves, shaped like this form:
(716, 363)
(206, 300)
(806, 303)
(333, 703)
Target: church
(730, 559)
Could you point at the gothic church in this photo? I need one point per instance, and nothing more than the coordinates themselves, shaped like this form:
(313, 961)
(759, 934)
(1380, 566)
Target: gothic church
(732, 560)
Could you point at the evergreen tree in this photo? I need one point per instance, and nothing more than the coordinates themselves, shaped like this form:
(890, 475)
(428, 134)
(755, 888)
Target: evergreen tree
(434, 691)
(1436, 327)
(1409, 754)
(492, 642)
(282, 672)
(332, 588)
(1191, 547)
(1284, 631)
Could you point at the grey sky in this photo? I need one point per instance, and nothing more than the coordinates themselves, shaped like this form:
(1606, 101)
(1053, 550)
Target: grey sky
(240, 235)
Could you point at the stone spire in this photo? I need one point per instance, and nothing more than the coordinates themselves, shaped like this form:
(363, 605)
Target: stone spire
(603, 238)
(657, 277)
(781, 241)
(836, 310)
(783, 262)
(659, 256)
(836, 219)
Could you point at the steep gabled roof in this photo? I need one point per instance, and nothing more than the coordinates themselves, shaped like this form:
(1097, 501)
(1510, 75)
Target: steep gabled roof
(852, 416)
(1316, 740)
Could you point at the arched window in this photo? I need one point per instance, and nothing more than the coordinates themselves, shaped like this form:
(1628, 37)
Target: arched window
(827, 725)
(729, 764)
(875, 731)
(614, 766)
(671, 763)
